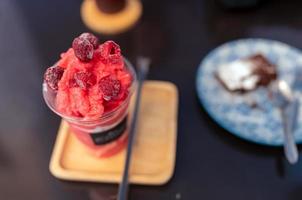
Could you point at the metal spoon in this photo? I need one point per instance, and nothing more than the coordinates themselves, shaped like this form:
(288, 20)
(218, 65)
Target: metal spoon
(142, 68)
(288, 105)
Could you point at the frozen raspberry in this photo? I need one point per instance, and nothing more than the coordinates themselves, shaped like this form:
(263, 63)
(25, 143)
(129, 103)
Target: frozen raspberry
(110, 87)
(52, 76)
(91, 38)
(83, 49)
(84, 79)
(111, 51)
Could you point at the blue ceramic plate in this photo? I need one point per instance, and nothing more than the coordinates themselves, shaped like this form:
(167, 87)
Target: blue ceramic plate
(235, 113)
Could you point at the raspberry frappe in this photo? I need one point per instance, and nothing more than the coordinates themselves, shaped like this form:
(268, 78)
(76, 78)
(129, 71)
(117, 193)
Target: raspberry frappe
(90, 87)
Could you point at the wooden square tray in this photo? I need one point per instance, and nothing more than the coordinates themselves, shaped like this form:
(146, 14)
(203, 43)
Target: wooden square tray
(154, 150)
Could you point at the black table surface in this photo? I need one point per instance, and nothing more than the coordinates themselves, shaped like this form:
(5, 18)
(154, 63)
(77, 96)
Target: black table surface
(211, 163)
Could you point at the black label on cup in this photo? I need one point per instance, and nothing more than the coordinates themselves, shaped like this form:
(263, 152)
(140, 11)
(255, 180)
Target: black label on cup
(109, 135)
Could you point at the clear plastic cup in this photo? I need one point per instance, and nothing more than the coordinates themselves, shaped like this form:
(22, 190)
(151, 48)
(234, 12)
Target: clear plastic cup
(111, 126)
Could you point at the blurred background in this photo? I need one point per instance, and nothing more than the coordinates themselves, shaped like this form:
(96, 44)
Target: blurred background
(176, 35)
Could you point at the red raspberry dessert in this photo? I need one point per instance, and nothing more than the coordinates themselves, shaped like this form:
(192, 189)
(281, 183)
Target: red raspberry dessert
(91, 80)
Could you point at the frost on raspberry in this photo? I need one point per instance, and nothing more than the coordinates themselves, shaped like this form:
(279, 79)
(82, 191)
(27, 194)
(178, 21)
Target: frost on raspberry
(111, 52)
(83, 49)
(84, 80)
(110, 87)
(52, 76)
(91, 38)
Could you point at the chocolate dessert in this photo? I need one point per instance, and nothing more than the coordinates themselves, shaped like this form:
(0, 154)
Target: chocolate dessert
(110, 6)
(246, 74)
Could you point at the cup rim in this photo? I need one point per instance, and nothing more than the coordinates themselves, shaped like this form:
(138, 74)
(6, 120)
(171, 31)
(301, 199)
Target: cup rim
(105, 116)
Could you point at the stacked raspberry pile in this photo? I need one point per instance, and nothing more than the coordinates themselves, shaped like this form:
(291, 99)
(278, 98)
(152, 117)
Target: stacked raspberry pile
(90, 78)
